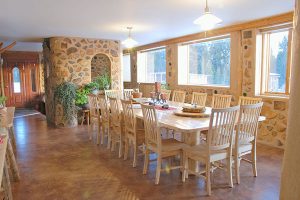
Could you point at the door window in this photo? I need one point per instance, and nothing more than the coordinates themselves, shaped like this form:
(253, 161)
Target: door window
(16, 80)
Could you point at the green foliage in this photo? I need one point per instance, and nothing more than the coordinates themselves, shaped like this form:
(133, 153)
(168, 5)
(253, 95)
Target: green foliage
(165, 86)
(65, 94)
(281, 61)
(81, 93)
(2, 100)
(92, 86)
(103, 81)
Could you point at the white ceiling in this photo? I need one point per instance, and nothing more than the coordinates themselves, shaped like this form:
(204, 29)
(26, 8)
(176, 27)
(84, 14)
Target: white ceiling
(152, 20)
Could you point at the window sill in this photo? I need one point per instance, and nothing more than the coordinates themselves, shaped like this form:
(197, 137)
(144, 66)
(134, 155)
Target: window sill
(206, 86)
(273, 96)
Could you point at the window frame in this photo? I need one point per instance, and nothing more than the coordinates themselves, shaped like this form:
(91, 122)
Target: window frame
(265, 59)
(127, 54)
(215, 38)
(145, 64)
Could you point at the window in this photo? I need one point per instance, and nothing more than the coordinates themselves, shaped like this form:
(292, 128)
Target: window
(16, 80)
(275, 60)
(205, 63)
(152, 66)
(33, 79)
(126, 68)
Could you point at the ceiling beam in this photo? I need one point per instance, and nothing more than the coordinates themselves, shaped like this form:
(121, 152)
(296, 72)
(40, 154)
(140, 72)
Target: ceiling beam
(7, 47)
(268, 21)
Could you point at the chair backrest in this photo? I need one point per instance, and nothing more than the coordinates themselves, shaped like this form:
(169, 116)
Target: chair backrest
(129, 118)
(103, 105)
(248, 123)
(94, 105)
(3, 147)
(10, 116)
(113, 93)
(167, 93)
(152, 135)
(127, 93)
(221, 101)
(221, 128)
(115, 111)
(178, 96)
(3, 118)
(199, 98)
(249, 100)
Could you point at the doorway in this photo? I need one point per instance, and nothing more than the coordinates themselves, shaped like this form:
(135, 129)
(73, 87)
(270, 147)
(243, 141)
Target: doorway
(21, 79)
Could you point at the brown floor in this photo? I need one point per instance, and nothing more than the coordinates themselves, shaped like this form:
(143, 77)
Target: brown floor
(64, 164)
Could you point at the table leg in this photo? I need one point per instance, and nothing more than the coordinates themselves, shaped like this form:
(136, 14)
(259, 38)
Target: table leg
(192, 139)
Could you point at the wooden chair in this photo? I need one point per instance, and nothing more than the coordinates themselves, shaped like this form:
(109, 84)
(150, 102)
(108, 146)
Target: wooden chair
(178, 96)
(199, 98)
(133, 135)
(167, 93)
(105, 119)
(113, 93)
(127, 93)
(221, 101)
(117, 124)
(245, 138)
(10, 126)
(154, 143)
(4, 174)
(94, 115)
(249, 100)
(218, 146)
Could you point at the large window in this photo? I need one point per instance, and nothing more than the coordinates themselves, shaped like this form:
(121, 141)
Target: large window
(205, 63)
(275, 61)
(152, 66)
(126, 68)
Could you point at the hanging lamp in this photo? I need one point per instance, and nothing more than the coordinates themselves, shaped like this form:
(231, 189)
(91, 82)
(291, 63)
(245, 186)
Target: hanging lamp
(129, 42)
(207, 21)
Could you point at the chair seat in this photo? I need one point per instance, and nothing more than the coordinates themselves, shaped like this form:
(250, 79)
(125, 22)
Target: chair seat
(199, 152)
(172, 145)
(243, 148)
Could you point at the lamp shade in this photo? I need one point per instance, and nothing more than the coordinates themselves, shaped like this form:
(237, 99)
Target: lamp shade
(207, 21)
(129, 42)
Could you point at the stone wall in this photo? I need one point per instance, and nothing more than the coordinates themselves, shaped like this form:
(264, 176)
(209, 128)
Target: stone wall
(273, 130)
(100, 65)
(69, 59)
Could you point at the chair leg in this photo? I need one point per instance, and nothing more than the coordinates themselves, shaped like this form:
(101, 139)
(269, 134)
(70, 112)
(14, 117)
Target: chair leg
(126, 148)
(184, 169)
(121, 146)
(12, 137)
(6, 183)
(102, 135)
(12, 162)
(146, 161)
(229, 170)
(108, 138)
(208, 184)
(254, 160)
(158, 168)
(237, 168)
(135, 148)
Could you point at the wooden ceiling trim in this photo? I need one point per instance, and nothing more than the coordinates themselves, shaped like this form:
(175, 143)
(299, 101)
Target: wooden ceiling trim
(268, 21)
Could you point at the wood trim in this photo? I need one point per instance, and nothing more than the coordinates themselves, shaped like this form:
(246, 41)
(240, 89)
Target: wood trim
(268, 21)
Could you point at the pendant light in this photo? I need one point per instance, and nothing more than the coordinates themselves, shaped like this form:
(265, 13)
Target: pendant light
(208, 20)
(129, 42)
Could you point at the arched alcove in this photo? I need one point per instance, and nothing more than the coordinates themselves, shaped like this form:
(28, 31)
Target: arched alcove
(100, 65)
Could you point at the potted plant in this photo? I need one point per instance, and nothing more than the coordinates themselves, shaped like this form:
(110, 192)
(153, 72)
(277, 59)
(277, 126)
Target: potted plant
(81, 99)
(92, 87)
(104, 81)
(65, 94)
(2, 101)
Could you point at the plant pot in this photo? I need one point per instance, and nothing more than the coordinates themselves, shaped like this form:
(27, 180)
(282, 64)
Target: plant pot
(95, 91)
(137, 95)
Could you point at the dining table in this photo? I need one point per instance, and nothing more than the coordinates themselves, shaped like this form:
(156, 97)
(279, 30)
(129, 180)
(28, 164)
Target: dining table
(190, 128)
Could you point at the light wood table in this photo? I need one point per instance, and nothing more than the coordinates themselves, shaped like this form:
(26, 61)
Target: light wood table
(189, 127)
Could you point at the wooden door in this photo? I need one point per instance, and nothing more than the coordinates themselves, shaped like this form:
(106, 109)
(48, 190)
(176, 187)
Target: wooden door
(14, 85)
(21, 79)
